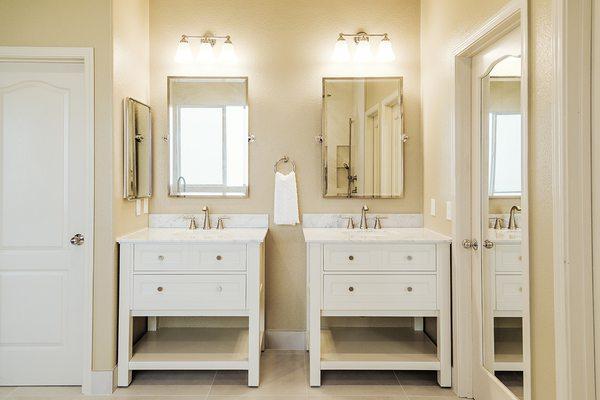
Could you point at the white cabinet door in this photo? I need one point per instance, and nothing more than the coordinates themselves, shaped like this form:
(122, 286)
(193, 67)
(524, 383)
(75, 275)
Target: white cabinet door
(43, 202)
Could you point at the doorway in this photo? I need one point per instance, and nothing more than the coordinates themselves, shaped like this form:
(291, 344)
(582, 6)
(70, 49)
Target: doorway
(46, 216)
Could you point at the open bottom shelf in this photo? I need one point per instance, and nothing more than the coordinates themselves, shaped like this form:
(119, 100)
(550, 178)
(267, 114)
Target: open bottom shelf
(377, 348)
(508, 349)
(192, 348)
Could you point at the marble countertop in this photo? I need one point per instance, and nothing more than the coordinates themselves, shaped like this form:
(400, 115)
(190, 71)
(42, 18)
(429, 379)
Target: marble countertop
(505, 236)
(171, 235)
(386, 235)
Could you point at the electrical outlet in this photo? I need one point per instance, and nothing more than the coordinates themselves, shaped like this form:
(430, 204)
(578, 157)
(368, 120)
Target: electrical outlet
(449, 210)
(145, 201)
(138, 207)
(432, 207)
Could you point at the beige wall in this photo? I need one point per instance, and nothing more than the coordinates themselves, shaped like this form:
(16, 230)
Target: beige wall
(284, 48)
(81, 24)
(445, 25)
(130, 32)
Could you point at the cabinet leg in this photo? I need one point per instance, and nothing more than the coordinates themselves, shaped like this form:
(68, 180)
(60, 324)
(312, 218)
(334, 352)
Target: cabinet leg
(418, 323)
(253, 350)
(125, 343)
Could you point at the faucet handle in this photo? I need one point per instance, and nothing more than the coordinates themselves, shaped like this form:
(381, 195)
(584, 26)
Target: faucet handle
(192, 219)
(378, 219)
(350, 224)
(220, 222)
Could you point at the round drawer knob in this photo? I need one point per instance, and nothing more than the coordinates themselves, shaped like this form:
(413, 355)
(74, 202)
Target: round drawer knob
(409, 289)
(219, 288)
(219, 258)
(350, 258)
(409, 258)
(520, 290)
(161, 258)
(160, 288)
(520, 258)
(351, 289)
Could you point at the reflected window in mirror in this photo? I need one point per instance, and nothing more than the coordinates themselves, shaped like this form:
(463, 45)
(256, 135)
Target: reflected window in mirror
(505, 155)
(208, 119)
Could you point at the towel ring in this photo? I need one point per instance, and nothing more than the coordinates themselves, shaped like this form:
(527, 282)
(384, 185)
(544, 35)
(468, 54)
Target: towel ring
(284, 159)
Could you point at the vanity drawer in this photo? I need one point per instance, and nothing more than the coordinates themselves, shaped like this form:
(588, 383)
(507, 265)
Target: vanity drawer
(380, 258)
(156, 257)
(183, 257)
(508, 258)
(221, 257)
(509, 292)
(379, 292)
(189, 292)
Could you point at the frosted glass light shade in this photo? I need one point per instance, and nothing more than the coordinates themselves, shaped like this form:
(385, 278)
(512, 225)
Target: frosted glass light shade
(363, 51)
(205, 53)
(184, 52)
(341, 53)
(385, 53)
(228, 52)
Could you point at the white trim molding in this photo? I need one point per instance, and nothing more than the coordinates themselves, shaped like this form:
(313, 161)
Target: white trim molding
(103, 382)
(85, 56)
(572, 197)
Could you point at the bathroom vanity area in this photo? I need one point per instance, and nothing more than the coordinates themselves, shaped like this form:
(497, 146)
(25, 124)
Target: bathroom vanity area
(181, 272)
(391, 272)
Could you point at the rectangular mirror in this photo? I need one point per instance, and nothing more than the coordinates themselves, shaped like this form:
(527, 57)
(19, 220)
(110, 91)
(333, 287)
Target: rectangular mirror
(363, 138)
(137, 149)
(208, 130)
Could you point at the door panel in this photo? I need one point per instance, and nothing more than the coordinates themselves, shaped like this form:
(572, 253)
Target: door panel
(43, 189)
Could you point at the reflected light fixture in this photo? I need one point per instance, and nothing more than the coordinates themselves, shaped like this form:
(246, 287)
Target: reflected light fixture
(206, 52)
(363, 53)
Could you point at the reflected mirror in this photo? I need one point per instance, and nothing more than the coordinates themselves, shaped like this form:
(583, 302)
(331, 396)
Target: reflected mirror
(137, 149)
(363, 138)
(502, 264)
(208, 130)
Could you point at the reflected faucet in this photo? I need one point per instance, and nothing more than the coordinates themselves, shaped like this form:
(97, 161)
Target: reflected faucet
(363, 217)
(206, 225)
(512, 223)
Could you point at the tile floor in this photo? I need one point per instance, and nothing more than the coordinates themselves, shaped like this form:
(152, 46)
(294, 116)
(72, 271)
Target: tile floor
(284, 374)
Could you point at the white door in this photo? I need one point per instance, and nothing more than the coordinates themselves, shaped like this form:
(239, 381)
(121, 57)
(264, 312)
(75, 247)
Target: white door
(497, 337)
(43, 187)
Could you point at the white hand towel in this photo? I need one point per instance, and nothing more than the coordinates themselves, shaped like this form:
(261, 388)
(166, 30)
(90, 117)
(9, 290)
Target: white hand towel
(286, 199)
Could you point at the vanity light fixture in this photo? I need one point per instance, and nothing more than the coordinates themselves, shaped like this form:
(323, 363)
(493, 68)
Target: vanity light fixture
(363, 53)
(206, 52)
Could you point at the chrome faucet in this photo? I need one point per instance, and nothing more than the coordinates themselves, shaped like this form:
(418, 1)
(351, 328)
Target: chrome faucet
(192, 225)
(206, 225)
(512, 223)
(363, 217)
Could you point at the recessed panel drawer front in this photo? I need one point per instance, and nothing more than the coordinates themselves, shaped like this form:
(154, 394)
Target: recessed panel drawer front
(509, 292)
(349, 257)
(157, 257)
(379, 292)
(419, 257)
(189, 292)
(219, 258)
(508, 258)
(368, 257)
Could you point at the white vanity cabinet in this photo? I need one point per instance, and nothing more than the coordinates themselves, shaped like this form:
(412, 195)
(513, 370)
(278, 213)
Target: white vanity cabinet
(402, 272)
(177, 272)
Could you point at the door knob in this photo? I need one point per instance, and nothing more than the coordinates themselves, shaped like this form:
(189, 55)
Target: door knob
(488, 244)
(470, 244)
(78, 239)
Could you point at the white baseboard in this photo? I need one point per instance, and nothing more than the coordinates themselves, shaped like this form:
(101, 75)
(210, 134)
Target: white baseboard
(103, 382)
(286, 340)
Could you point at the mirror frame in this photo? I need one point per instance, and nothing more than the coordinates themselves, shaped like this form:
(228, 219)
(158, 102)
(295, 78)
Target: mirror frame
(127, 141)
(170, 140)
(321, 138)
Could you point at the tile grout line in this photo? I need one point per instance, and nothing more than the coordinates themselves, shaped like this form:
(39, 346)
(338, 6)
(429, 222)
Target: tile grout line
(401, 385)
